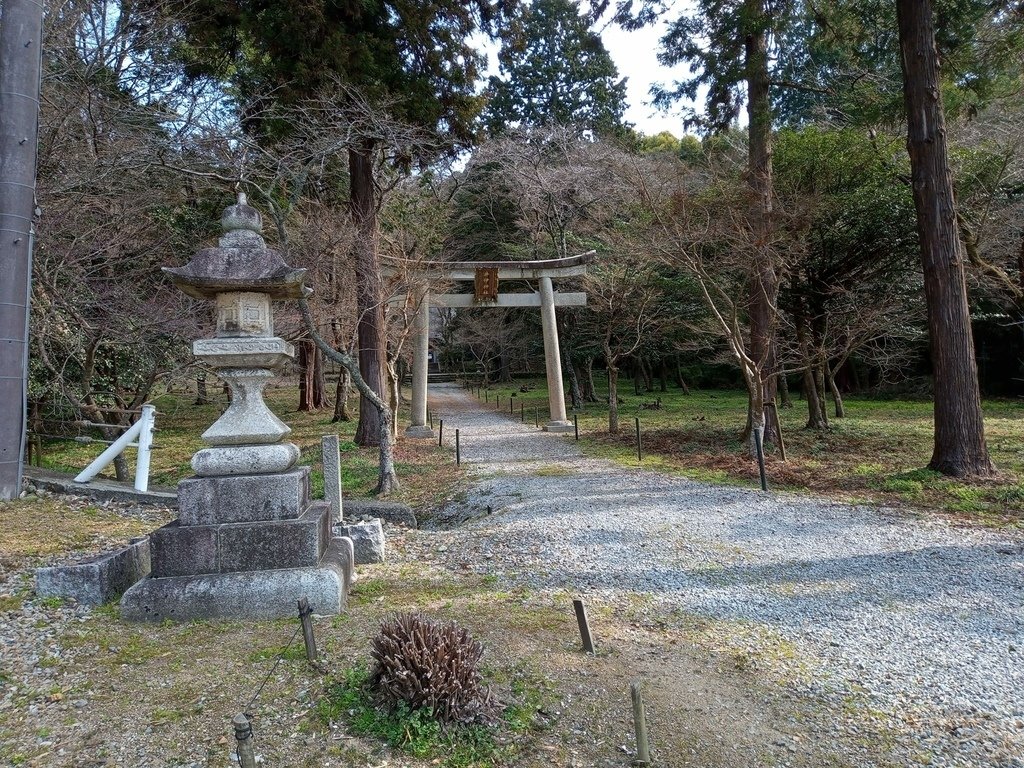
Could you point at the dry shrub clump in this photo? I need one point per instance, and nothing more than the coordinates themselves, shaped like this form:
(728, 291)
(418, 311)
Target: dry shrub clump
(431, 665)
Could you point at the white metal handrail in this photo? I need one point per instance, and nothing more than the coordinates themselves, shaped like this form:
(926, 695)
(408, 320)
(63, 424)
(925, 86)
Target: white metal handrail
(142, 432)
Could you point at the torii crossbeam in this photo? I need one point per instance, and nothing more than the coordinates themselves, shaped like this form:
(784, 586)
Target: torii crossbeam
(487, 275)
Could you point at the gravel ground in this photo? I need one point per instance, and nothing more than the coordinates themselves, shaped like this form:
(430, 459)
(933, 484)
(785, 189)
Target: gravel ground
(902, 619)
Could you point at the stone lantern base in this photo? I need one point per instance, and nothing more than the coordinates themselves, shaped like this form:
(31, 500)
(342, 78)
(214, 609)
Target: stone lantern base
(243, 546)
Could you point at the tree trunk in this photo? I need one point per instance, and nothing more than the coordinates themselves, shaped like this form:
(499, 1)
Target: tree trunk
(585, 376)
(319, 380)
(645, 371)
(763, 286)
(810, 387)
(394, 394)
(680, 380)
(613, 400)
(575, 391)
(202, 396)
(504, 367)
(341, 398)
(837, 398)
(959, 448)
(369, 289)
(387, 480)
(663, 375)
(312, 387)
(819, 388)
(787, 401)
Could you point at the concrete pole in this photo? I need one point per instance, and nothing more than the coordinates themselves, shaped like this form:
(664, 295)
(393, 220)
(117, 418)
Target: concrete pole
(20, 65)
(420, 353)
(553, 360)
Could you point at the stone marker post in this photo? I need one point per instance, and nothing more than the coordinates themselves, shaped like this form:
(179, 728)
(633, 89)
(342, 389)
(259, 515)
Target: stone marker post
(331, 455)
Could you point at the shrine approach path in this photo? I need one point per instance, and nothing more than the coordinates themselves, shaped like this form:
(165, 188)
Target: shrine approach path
(893, 623)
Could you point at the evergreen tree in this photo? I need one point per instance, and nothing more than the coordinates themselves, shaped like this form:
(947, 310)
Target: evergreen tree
(555, 69)
(415, 58)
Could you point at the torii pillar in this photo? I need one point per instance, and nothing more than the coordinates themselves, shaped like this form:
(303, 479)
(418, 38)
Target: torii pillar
(420, 354)
(553, 360)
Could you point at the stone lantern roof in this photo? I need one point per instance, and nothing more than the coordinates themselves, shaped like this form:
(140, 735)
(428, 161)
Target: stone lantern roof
(241, 262)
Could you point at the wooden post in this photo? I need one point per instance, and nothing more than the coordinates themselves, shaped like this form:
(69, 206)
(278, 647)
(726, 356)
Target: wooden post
(639, 448)
(536, 417)
(430, 418)
(440, 432)
(305, 614)
(458, 454)
(497, 402)
(487, 396)
(522, 412)
(576, 425)
(581, 619)
(243, 741)
(758, 443)
(643, 747)
(511, 406)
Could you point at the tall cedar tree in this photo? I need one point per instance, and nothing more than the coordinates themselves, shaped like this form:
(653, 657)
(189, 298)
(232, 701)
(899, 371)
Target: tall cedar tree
(960, 448)
(725, 44)
(555, 69)
(413, 57)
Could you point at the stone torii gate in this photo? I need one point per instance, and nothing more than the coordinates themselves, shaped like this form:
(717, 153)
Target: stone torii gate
(486, 276)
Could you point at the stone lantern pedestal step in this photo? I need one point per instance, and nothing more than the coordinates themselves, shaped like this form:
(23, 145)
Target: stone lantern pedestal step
(244, 546)
(270, 594)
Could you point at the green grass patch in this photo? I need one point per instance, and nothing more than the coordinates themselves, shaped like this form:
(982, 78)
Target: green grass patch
(875, 454)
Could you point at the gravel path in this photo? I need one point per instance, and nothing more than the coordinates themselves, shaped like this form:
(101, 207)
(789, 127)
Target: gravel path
(904, 618)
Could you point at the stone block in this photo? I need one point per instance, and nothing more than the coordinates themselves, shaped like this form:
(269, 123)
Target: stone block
(389, 511)
(183, 550)
(99, 579)
(367, 541)
(245, 459)
(253, 595)
(243, 498)
(276, 544)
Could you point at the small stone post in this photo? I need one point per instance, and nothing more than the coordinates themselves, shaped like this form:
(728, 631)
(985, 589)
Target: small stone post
(331, 454)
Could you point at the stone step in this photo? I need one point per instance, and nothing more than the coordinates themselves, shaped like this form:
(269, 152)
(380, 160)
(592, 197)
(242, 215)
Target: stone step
(189, 550)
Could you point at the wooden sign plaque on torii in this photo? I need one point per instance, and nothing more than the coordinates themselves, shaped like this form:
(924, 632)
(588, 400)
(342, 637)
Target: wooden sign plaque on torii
(485, 276)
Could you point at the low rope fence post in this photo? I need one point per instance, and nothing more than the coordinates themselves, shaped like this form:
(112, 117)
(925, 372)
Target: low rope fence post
(643, 747)
(305, 616)
(584, 625)
(522, 412)
(759, 446)
(536, 417)
(576, 425)
(243, 741)
(440, 432)
(639, 445)
(458, 452)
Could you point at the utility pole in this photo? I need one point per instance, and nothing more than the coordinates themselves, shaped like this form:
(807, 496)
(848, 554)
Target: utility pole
(21, 31)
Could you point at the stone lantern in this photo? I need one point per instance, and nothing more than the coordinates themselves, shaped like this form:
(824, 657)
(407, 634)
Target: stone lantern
(248, 541)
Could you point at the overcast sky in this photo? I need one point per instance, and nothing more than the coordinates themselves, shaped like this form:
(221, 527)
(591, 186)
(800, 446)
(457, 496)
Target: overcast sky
(636, 56)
